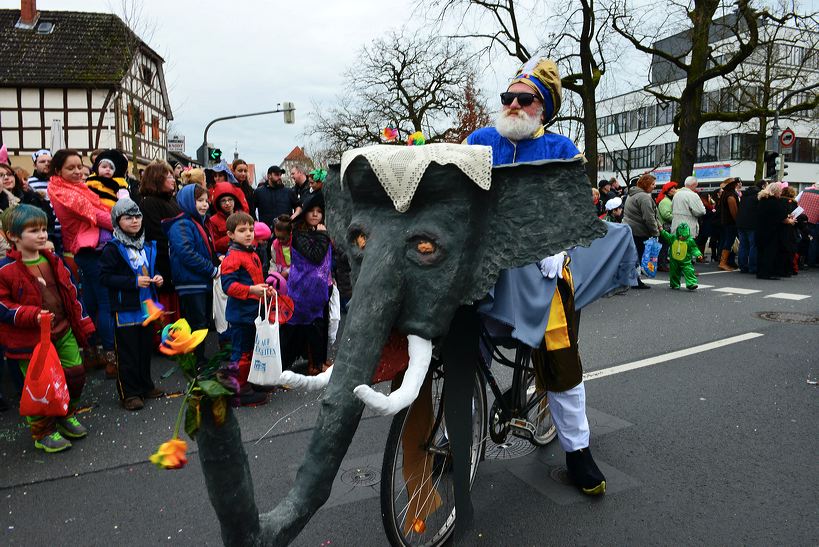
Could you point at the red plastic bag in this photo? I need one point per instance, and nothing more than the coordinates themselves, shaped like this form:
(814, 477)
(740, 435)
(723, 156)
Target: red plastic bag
(45, 392)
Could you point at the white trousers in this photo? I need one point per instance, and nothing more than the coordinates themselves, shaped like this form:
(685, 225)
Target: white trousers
(569, 414)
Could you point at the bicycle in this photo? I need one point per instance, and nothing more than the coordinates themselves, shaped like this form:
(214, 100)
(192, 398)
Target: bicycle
(417, 492)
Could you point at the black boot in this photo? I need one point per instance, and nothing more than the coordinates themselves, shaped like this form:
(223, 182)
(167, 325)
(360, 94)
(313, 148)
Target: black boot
(584, 472)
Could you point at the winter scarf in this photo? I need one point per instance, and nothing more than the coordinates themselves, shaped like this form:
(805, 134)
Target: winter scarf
(76, 197)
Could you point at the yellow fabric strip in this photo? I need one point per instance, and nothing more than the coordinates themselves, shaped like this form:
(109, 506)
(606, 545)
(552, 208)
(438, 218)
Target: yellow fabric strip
(557, 329)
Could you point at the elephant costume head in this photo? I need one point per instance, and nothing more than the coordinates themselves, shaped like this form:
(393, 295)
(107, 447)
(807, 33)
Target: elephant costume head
(411, 271)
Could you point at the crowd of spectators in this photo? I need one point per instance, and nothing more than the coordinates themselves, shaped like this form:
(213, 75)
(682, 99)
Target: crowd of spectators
(203, 244)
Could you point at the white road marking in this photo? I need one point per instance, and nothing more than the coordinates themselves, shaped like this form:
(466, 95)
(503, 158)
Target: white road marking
(701, 286)
(595, 374)
(736, 290)
(716, 272)
(649, 281)
(788, 296)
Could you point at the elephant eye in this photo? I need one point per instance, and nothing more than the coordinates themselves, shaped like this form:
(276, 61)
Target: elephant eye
(425, 247)
(361, 241)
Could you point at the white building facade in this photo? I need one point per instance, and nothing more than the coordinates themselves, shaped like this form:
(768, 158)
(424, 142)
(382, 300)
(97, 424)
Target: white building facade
(635, 129)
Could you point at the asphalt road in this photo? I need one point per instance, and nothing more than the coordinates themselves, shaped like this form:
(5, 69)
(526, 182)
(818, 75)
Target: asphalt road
(717, 447)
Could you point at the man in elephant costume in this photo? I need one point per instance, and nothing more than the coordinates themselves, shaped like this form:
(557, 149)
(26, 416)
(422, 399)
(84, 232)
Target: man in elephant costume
(532, 100)
(428, 231)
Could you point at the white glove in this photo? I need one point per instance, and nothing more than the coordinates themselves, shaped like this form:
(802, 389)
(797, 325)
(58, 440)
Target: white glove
(552, 266)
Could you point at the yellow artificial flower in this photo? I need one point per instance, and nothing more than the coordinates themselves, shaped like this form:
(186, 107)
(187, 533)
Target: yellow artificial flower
(171, 455)
(177, 338)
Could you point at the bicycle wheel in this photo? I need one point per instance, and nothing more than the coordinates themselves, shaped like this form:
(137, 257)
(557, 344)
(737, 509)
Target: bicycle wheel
(417, 488)
(539, 416)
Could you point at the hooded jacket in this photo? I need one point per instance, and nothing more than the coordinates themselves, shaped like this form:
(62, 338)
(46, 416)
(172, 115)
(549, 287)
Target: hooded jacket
(681, 246)
(640, 213)
(217, 222)
(190, 247)
(21, 302)
(241, 269)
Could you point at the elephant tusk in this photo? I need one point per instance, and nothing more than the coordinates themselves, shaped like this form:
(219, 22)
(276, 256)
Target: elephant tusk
(308, 383)
(420, 355)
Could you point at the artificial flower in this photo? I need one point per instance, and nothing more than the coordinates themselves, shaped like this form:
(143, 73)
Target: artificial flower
(319, 175)
(171, 455)
(389, 134)
(416, 139)
(151, 311)
(177, 338)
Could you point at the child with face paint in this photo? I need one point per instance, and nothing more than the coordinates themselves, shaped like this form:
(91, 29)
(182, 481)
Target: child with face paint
(34, 283)
(128, 268)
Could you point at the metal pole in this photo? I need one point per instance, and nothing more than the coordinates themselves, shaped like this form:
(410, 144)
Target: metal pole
(207, 127)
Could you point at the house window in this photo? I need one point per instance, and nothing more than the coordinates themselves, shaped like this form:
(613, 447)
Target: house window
(147, 74)
(806, 150)
(665, 113)
(155, 128)
(647, 114)
(743, 146)
(708, 149)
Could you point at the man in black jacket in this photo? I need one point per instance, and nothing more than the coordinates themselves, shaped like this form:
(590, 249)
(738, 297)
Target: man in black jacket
(272, 198)
(746, 225)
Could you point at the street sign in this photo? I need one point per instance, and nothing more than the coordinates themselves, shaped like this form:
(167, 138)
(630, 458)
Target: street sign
(786, 139)
(176, 144)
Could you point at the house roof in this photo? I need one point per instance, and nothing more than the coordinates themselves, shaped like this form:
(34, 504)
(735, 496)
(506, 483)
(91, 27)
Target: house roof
(297, 154)
(84, 50)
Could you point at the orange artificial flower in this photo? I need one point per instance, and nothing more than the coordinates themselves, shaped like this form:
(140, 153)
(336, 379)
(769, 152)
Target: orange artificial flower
(171, 455)
(177, 338)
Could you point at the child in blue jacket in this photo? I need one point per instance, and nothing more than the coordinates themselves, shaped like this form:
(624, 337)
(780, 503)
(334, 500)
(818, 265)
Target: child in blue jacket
(192, 259)
(128, 269)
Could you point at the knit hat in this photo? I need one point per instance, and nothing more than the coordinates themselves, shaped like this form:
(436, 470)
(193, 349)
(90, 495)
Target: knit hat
(613, 204)
(127, 207)
(117, 159)
(542, 76)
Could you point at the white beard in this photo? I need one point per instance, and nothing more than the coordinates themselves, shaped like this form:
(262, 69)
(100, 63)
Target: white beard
(517, 126)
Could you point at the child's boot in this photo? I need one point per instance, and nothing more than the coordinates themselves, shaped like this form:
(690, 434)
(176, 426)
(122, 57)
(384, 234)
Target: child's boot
(110, 359)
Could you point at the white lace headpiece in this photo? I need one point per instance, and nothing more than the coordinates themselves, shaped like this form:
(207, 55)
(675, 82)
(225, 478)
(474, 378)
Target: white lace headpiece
(399, 168)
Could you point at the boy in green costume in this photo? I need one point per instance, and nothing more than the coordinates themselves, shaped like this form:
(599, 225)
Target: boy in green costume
(681, 254)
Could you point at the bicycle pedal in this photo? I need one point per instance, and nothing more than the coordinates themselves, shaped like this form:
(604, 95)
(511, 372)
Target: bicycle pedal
(522, 428)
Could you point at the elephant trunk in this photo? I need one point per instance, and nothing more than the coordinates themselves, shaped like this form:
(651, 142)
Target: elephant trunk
(369, 322)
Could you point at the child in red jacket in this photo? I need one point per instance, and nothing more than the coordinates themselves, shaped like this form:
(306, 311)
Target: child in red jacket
(33, 281)
(243, 282)
(225, 202)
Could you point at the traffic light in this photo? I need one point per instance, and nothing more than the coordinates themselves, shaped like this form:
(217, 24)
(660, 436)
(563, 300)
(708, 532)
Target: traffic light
(289, 113)
(770, 164)
(780, 168)
(215, 155)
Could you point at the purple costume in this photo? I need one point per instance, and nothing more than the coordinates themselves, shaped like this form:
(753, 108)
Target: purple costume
(309, 280)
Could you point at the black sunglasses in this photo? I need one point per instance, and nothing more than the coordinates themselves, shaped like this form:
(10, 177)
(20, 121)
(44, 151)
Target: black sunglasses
(524, 99)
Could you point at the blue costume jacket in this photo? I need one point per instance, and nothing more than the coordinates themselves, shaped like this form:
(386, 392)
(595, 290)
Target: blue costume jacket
(548, 146)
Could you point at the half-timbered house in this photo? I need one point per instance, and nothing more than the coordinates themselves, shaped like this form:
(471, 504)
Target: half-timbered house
(104, 85)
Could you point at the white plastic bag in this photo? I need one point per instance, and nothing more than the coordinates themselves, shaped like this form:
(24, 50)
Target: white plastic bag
(335, 315)
(219, 305)
(266, 364)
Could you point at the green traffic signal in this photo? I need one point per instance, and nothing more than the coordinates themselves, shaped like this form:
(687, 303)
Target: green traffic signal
(215, 154)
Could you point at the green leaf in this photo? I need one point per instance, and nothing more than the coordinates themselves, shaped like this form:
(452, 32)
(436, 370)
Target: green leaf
(213, 389)
(193, 417)
(187, 362)
(219, 411)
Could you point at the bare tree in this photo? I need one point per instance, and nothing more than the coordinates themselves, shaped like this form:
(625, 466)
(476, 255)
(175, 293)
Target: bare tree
(786, 60)
(711, 48)
(472, 114)
(410, 84)
(576, 43)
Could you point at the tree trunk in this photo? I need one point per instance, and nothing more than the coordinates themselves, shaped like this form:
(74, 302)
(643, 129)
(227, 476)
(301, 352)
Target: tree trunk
(759, 172)
(690, 121)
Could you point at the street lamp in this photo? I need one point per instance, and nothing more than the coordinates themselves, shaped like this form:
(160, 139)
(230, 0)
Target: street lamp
(289, 117)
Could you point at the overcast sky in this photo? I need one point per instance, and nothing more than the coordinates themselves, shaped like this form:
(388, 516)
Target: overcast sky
(224, 58)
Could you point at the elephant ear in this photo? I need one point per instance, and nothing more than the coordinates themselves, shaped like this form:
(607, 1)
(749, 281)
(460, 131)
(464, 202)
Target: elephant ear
(536, 210)
(339, 206)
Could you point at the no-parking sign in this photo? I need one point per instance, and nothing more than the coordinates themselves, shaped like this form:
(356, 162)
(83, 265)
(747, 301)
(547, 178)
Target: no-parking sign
(786, 140)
